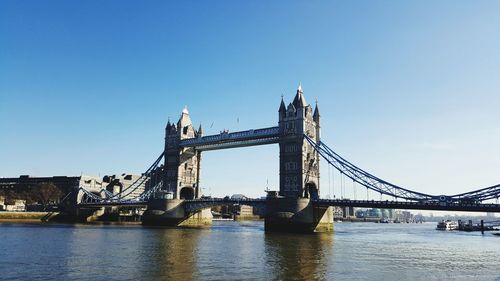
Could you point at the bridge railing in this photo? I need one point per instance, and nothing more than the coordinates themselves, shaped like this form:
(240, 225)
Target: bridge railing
(418, 205)
(203, 203)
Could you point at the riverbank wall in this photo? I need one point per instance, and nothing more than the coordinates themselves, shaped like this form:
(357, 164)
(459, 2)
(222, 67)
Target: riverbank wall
(25, 216)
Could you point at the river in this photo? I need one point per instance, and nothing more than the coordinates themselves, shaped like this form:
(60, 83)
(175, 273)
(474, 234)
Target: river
(243, 251)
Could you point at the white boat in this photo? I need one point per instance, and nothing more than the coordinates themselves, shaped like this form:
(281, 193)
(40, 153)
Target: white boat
(447, 225)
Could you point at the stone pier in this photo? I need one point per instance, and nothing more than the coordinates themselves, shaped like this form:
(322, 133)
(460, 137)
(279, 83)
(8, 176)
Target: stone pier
(297, 215)
(171, 212)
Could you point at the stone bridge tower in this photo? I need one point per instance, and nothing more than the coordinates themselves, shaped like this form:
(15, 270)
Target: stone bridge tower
(299, 162)
(182, 165)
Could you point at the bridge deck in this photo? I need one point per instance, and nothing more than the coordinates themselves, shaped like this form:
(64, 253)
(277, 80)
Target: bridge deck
(113, 204)
(409, 205)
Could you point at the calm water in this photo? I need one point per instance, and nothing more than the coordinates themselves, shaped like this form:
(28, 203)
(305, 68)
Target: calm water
(242, 251)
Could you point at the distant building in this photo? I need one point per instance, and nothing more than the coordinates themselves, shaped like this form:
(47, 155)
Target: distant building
(241, 210)
(375, 213)
(117, 184)
(114, 184)
(12, 205)
(66, 184)
(404, 216)
(349, 212)
(238, 197)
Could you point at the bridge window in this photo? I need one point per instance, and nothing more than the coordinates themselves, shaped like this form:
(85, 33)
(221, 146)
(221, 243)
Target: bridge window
(291, 166)
(291, 148)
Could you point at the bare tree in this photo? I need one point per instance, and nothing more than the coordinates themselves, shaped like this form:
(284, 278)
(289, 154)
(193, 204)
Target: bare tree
(45, 193)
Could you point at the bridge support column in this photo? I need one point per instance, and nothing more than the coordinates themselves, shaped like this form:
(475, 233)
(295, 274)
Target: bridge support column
(297, 215)
(171, 212)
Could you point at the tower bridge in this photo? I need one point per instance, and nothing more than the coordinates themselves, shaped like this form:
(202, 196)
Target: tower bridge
(177, 199)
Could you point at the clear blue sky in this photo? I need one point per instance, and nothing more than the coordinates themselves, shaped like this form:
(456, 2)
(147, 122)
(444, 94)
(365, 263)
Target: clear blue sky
(409, 90)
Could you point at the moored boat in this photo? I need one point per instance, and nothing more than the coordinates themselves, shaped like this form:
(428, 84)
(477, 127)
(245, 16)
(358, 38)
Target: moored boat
(447, 225)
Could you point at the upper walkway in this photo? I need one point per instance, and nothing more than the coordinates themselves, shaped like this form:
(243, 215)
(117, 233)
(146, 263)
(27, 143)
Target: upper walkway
(231, 140)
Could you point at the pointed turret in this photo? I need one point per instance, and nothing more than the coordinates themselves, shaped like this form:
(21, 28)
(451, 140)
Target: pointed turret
(282, 110)
(184, 120)
(282, 106)
(200, 131)
(185, 125)
(169, 125)
(299, 101)
(316, 113)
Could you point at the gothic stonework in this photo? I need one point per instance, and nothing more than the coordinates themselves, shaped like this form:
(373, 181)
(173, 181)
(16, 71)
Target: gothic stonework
(299, 162)
(182, 165)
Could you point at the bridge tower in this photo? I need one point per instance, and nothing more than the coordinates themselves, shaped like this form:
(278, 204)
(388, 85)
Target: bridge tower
(181, 177)
(294, 209)
(299, 162)
(182, 165)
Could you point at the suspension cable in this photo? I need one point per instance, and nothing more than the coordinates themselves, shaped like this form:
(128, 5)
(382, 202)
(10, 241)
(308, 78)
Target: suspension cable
(354, 188)
(376, 184)
(329, 183)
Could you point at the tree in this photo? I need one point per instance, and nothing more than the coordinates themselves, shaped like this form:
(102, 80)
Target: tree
(45, 193)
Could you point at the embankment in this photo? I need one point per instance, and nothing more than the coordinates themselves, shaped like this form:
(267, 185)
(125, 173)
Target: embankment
(24, 216)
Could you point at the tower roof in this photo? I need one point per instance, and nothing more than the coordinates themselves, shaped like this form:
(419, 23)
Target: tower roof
(316, 112)
(200, 130)
(282, 105)
(169, 125)
(184, 120)
(299, 100)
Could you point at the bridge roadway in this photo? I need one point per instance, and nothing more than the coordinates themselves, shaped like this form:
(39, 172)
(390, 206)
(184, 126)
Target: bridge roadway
(410, 205)
(198, 204)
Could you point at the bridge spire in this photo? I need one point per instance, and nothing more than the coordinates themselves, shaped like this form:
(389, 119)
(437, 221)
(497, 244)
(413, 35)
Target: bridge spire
(282, 106)
(184, 120)
(299, 101)
(169, 125)
(200, 131)
(316, 113)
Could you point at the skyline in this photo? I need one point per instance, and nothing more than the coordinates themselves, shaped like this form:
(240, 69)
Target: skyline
(407, 91)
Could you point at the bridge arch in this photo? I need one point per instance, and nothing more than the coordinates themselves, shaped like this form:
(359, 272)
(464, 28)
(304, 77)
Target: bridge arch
(311, 190)
(187, 193)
